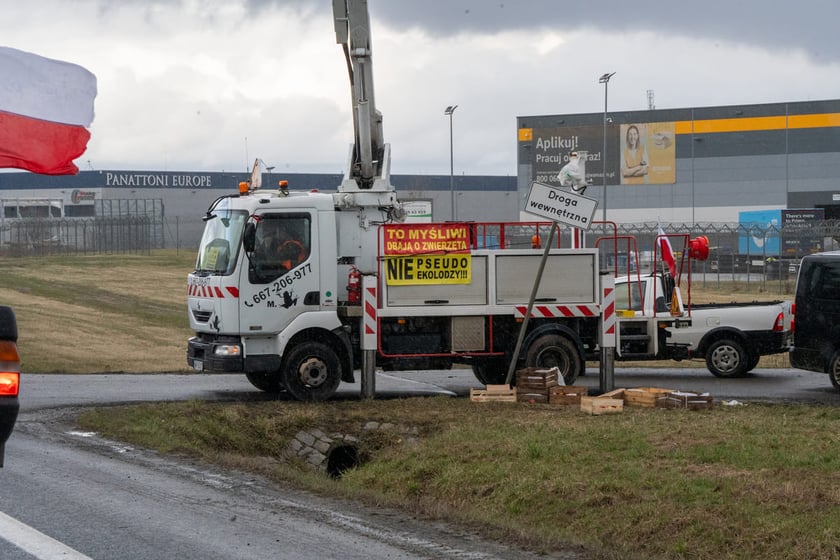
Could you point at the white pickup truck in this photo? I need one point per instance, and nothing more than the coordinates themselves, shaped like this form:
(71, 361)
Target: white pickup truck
(730, 337)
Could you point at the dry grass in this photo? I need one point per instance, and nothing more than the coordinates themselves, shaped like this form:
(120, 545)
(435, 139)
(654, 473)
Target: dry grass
(89, 314)
(127, 313)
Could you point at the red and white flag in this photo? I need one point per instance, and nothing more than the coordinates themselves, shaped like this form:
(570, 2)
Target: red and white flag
(46, 107)
(667, 253)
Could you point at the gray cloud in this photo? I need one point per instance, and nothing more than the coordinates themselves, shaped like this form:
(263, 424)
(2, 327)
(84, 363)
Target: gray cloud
(809, 25)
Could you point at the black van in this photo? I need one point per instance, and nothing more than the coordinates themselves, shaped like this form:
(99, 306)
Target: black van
(816, 334)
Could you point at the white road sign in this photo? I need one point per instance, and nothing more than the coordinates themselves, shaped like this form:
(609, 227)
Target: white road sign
(560, 205)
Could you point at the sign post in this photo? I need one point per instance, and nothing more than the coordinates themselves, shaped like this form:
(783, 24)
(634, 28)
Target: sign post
(558, 206)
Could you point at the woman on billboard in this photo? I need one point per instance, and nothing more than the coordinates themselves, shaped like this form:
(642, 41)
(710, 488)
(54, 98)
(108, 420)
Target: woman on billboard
(634, 159)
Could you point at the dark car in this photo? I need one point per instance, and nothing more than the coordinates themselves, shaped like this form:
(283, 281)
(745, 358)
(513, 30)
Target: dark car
(9, 376)
(816, 334)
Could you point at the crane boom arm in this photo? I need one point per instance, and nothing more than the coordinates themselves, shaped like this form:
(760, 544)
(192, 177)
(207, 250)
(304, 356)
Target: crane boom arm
(368, 167)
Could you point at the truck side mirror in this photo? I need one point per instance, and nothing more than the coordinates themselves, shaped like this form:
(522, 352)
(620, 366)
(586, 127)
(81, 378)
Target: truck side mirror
(249, 238)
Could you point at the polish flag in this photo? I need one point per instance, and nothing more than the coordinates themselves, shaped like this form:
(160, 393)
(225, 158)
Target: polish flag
(667, 253)
(46, 107)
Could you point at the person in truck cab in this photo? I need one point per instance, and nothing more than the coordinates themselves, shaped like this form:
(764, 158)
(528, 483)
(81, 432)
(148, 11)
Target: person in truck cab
(280, 247)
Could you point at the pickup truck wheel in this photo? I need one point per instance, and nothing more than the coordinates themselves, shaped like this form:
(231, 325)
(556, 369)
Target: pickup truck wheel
(727, 358)
(311, 371)
(268, 382)
(490, 372)
(834, 370)
(753, 362)
(552, 350)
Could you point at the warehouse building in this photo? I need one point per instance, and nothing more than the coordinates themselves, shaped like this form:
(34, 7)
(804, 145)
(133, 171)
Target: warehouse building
(703, 165)
(692, 165)
(174, 202)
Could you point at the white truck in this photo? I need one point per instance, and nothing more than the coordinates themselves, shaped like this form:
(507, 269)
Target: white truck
(361, 286)
(730, 337)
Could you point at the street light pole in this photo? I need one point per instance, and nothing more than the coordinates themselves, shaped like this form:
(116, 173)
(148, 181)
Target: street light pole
(449, 111)
(605, 79)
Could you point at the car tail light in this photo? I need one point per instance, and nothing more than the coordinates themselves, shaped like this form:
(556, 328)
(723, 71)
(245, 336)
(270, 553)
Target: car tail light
(9, 384)
(779, 325)
(792, 317)
(9, 369)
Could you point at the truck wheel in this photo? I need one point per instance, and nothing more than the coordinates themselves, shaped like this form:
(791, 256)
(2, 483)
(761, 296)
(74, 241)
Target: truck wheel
(311, 371)
(553, 350)
(268, 382)
(834, 370)
(491, 371)
(727, 358)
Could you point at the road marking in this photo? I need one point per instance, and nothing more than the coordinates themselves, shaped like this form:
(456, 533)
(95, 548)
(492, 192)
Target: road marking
(35, 542)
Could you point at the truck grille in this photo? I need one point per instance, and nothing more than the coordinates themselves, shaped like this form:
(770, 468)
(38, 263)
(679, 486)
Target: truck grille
(202, 316)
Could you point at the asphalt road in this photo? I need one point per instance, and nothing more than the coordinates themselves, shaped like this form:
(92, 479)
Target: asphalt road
(67, 494)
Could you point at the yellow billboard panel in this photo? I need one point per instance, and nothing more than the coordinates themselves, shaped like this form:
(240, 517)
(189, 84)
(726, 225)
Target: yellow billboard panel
(648, 153)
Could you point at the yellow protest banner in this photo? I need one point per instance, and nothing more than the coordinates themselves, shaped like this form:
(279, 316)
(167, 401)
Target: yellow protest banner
(427, 254)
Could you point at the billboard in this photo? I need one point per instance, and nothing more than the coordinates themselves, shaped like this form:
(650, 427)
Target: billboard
(648, 154)
(780, 233)
(636, 153)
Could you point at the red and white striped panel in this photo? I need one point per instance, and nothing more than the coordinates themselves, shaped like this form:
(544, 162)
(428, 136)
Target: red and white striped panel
(608, 319)
(369, 324)
(550, 311)
(213, 291)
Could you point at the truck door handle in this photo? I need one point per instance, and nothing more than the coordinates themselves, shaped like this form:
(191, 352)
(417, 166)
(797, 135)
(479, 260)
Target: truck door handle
(545, 299)
(436, 301)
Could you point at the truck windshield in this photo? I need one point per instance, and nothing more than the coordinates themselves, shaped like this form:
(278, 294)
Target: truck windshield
(220, 243)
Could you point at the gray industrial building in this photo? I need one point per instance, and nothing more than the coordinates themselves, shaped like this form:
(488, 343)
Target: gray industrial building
(701, 165)
(174, 201)
(692, 165)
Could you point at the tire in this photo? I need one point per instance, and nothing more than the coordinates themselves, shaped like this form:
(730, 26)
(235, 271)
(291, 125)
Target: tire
(554, 350)
(491, 371)
(727, 358)
(267, 382)
(753, 362)
(311, 371)
(834, 370)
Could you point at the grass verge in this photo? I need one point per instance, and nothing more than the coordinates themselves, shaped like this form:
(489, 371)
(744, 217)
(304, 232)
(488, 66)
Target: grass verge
(761, 481)
(100, 313)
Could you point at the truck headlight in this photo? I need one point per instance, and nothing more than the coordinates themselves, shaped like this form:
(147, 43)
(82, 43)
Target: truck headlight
(227, 350)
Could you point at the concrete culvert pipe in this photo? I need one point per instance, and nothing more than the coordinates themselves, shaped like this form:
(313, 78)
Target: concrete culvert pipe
(341, 459)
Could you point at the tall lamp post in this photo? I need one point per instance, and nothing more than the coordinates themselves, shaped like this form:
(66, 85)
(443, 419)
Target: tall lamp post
(605, 79)
(449, 111)
(268, 168)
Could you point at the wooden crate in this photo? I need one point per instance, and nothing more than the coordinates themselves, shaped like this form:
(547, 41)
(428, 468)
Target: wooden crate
(537, 380)
(686, 399)
(531, 397)
(566, 394)
(601, 405)
(644, 396)
(494, 393)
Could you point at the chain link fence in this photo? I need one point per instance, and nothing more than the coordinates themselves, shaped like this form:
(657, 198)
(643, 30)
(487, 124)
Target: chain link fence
(737, 253)
(75, 236)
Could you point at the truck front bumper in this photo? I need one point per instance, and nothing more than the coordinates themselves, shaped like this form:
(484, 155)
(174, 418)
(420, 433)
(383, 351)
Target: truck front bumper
(215, 353)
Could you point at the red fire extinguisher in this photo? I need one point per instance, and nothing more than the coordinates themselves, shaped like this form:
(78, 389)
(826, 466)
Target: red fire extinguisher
(354, 286)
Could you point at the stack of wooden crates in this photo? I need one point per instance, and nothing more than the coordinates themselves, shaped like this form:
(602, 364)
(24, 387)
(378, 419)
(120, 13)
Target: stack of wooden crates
(533, 385)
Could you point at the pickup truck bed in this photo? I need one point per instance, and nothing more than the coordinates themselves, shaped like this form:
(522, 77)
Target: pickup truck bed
(730, 337)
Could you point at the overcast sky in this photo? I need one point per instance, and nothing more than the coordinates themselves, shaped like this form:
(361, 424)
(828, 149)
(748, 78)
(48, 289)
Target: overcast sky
(187, 85)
